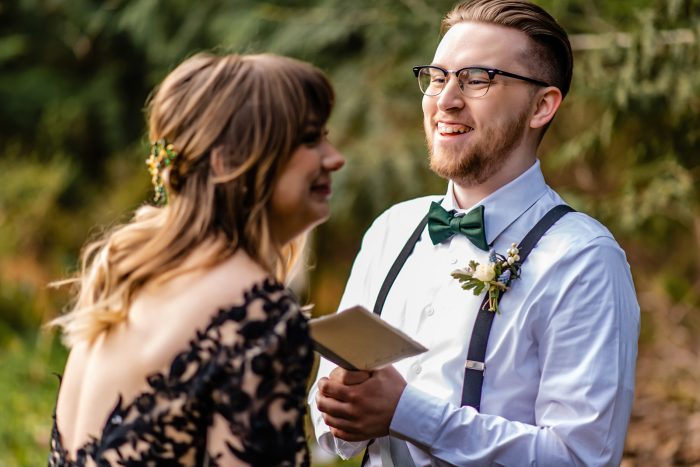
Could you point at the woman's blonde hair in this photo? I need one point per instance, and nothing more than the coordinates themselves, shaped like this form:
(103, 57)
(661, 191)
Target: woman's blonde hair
(234, 121)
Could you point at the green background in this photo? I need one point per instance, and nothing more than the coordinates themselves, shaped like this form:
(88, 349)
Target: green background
(625, 148)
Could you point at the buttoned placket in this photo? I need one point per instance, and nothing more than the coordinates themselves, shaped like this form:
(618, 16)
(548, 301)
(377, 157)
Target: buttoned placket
(439, 303)
(440, 281)
(421, 305)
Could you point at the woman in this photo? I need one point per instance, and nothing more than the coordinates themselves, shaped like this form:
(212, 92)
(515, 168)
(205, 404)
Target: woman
(185, 347)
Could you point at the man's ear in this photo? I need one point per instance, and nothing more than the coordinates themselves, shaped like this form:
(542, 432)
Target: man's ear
(547, 103)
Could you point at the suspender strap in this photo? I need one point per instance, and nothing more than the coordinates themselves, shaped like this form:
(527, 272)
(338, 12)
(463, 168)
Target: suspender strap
(365, 456)
(398, 264)
(476, 356)
(474, 368)
(389, 281)
(534, 235)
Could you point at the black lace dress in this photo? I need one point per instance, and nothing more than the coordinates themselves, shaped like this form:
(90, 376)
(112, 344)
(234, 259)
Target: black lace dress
(250, 366)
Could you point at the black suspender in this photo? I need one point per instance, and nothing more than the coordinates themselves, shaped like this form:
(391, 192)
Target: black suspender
(476, 356)
(474, 367)
(398, 264)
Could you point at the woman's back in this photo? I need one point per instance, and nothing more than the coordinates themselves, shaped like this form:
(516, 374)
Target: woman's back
(178, 366)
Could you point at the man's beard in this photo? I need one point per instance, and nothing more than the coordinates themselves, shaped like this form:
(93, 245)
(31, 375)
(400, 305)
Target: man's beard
(480, 159)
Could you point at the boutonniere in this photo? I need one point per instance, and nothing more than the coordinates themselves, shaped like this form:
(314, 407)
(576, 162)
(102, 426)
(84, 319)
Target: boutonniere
(493, 276)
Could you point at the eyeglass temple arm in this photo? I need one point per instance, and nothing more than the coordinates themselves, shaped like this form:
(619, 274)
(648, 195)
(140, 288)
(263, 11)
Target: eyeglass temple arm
(494, 72)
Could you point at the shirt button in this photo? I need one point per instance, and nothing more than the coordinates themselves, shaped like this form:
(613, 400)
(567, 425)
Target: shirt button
(417, 368)
(429, 310)
(453, 261)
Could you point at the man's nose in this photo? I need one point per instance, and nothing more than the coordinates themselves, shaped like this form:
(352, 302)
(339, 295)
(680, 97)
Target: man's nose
(451, 96)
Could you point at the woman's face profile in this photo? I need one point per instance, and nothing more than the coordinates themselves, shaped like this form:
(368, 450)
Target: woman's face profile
(301, 197)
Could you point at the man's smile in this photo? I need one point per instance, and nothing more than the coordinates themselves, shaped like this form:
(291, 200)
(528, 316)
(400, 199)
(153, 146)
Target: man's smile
(445, 128)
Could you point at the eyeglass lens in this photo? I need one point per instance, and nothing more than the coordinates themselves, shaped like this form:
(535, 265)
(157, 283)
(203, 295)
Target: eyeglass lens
(473, 82)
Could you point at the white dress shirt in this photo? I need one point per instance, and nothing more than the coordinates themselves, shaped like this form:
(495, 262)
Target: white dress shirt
(560, 363)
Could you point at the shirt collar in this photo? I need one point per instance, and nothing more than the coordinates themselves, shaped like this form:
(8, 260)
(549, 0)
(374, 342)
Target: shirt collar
(505, 205)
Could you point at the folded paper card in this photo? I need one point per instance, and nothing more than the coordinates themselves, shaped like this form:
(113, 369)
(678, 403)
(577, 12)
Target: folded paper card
(357, 339)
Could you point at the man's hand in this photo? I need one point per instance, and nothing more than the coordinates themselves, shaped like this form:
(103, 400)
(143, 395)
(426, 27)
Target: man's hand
(359, 405)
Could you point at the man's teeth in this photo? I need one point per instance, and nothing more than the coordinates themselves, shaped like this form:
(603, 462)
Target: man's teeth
(453, 129)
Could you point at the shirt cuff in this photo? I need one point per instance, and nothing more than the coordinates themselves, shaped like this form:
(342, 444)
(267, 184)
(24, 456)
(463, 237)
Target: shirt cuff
(418, 417)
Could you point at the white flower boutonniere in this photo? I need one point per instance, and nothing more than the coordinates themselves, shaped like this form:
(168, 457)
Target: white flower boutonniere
(495, 276)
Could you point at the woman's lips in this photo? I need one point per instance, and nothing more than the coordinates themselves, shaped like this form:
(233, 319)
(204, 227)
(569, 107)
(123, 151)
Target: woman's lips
(322, 189)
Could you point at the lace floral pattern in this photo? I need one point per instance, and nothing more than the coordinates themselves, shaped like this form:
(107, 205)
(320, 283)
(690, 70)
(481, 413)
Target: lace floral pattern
(249, 367)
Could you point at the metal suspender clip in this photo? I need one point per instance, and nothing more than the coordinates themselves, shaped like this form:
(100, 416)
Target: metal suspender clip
(472, 365)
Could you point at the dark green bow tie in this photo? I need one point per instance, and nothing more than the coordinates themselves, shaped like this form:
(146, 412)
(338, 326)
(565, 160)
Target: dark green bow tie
(443, 224)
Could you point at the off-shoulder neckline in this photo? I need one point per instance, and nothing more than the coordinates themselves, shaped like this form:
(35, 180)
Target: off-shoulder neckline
(114, 417)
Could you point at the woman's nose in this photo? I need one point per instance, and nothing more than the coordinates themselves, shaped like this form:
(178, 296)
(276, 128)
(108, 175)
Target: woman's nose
(332, 159)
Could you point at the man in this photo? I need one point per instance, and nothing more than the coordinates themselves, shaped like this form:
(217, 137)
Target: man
(558, 372)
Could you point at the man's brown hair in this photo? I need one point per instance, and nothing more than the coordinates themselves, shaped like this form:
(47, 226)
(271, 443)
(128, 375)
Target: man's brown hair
(550, 54)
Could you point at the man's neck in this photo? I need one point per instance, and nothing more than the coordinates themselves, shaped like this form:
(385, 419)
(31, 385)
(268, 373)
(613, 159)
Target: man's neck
(467, 195)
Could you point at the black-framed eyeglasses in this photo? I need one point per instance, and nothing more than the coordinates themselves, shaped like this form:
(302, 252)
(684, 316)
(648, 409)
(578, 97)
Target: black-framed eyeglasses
(473, 81)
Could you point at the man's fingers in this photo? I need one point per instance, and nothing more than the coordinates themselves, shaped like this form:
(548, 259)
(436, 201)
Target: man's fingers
(334, 407)
(344, 429)
(348, 377)
(322, 384)
(340, 424)
(334, 390)
(355, 377)
(346, 436)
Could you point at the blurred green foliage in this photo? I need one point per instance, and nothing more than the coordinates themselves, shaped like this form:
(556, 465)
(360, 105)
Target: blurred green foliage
(74, 77)
(28, 391)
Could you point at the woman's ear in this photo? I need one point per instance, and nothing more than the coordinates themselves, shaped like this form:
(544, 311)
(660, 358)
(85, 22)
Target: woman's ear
(548, 102)
(217, 162)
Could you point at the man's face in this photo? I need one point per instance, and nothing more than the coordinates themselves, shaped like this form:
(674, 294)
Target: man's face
(470, 139)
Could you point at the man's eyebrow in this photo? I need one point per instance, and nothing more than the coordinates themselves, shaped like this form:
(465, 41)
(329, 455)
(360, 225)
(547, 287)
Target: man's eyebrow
(461, 67)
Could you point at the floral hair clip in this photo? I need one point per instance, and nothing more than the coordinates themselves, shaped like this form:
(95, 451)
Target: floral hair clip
(162, 156)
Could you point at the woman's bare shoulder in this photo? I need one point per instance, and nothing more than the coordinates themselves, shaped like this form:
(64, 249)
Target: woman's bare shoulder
(200, 291)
